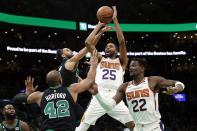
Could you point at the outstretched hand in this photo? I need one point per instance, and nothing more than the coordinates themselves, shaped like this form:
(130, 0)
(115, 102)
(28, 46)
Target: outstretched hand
(170, 90)
(29, 85)
(115, 13)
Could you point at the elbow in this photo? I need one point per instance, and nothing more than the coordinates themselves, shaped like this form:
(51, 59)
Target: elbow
(87, 43)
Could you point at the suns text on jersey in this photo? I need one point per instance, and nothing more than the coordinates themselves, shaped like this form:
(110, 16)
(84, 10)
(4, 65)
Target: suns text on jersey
(137, 94)
(109, 65)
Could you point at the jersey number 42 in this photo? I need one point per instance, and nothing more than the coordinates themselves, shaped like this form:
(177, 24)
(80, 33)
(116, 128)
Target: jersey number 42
(61, 109)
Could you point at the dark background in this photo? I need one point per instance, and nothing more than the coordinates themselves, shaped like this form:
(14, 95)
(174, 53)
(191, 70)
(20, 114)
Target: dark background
(15, 66)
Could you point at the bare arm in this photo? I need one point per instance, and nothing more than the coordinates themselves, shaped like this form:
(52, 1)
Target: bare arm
(25, 126)
(35, 98)
(92, 41)
(110, 103)
(91, 38)
(121, 40)
(173, 86)
(85, 84)
(120, 93)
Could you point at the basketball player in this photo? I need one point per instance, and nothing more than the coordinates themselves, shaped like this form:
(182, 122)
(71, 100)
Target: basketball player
(109, 76)
(142, 96)
(11, 123)
(57, 102)
(69, 62)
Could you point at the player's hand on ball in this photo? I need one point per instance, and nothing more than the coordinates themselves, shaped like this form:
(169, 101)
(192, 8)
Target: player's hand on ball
(170, 90)
(106, 28)
(115, 12)
(29, 85)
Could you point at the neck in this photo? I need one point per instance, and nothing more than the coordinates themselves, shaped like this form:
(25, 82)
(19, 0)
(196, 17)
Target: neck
(138, 78)
(55, 87)
(112, 57)
(10, 122)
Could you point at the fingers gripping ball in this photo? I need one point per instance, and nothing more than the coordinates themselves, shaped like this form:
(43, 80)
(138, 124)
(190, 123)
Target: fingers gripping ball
(105, 14)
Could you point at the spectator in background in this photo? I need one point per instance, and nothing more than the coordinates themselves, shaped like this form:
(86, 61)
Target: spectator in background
(11, 123)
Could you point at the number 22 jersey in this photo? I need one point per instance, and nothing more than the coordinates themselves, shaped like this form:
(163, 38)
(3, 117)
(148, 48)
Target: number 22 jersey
(142, 102)
(109, 74)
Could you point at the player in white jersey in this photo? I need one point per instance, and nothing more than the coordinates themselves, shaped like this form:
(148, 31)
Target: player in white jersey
(142, 96)
(109, 76)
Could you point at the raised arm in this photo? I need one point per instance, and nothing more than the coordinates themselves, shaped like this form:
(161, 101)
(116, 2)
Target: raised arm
(86, 83)
(22, 97)
(90, 42)
(122, 47)
(110, 103)
(173, 86)
(33, 96)
(91, 38)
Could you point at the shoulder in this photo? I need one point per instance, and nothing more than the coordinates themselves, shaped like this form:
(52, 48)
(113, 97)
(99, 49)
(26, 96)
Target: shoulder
(24, 125)
(37, 93)
(34, 97)
(155, 78)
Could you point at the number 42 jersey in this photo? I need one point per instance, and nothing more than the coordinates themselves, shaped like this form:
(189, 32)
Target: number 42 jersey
(57, 109)
(142, 102)
(109, 74)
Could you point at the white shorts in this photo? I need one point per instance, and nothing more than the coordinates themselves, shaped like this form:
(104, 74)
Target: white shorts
(156, 126)
(94, 111)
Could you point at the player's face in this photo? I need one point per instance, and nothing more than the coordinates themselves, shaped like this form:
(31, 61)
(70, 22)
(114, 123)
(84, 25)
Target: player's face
(9, 112)
(67, 53)
(110, 50)
(135, 68)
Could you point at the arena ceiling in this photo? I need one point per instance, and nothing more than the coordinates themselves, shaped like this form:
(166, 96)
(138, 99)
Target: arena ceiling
(129, 11)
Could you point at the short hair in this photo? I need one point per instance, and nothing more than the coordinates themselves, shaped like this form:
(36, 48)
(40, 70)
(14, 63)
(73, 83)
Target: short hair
(53, 78)
(141, 61)
(113, 42)
(59, 55)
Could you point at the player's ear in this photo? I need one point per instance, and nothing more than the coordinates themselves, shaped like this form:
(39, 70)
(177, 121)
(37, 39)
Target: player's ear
(63, 55)
(61, 81)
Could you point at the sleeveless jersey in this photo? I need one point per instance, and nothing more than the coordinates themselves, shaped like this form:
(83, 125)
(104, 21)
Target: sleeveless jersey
(68, 77)
(57, 109)
(142, 102)
(16, 128)
(109, 74)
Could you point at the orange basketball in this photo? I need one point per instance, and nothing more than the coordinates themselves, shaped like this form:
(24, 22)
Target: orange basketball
(105, 14)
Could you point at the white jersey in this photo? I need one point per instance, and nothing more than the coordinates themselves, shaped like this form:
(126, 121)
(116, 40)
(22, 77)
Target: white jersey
(142, 102)
(109, 74)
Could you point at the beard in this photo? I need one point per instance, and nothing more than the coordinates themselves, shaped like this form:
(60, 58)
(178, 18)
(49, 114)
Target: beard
(131, 75)
(109, 55)
(10, 116)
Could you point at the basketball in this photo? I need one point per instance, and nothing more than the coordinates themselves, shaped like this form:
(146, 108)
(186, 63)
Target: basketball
(105, 14)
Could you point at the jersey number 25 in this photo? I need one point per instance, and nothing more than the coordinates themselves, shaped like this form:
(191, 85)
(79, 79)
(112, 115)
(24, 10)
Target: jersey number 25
(109, 74)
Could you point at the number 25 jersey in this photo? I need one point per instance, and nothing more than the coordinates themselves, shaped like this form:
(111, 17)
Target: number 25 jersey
(142, 102)
(109, 73)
